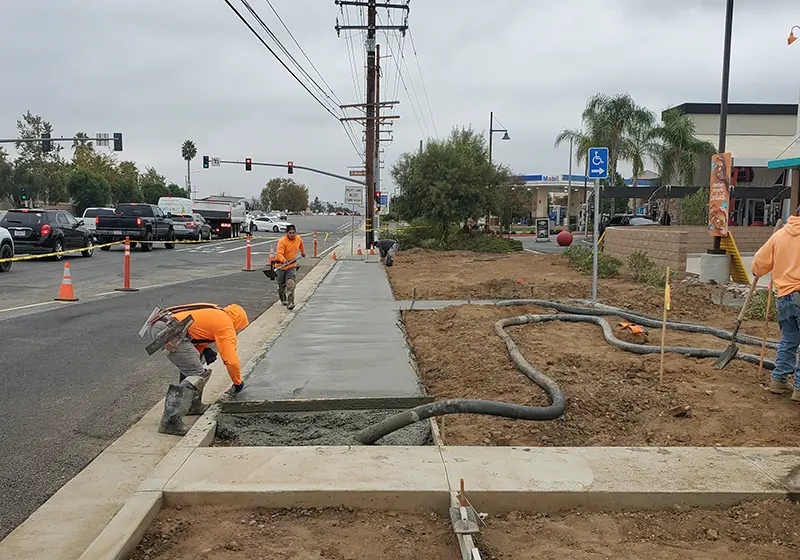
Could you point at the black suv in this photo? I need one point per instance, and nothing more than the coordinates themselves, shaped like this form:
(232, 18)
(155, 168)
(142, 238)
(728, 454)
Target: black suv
(47, 231)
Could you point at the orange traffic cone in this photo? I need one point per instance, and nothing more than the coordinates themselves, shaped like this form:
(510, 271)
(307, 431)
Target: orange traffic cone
(271, 255)
(371, 251)
(66, 293)
(359, 249)
(334, 255)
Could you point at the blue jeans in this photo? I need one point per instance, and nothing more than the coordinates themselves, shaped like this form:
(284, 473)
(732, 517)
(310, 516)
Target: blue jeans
(789, 322)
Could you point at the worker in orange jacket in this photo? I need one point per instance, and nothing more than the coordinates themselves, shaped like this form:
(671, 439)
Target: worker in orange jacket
(781, 256)
(213, 325)
(289, 247)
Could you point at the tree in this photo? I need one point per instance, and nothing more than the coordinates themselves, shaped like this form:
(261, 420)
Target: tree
(316, 206)
(125, 187)
(284, 194)
(175, 190)
(329, 208)
(581, 142)
(87, 189)
(678, 155)
(153, 186)
(81, 139)
(189, 152)
(612, 120)
(639, 146)
(514, 201)
(694, 209)
(447, 182)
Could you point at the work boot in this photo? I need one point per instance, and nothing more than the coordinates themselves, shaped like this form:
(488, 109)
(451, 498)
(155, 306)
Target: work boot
(176, 404)
(290, 296)
(779, 388)
(197, 407)
(282, 294)
(796, 396)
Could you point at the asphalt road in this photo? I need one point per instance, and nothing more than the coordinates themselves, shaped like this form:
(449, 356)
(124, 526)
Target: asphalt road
(74, 377)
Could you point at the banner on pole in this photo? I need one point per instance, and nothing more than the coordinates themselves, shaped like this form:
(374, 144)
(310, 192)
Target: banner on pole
(719, 194)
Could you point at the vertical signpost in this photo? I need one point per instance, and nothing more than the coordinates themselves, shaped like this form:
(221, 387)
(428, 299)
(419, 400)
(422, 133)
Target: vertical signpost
(352, 197)
(598, 169)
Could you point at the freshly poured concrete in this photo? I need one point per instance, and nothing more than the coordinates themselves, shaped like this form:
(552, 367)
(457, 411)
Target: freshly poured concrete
(345, 342)
(330, 427)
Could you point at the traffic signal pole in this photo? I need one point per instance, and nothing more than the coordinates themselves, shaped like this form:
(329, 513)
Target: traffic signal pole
(295, 166)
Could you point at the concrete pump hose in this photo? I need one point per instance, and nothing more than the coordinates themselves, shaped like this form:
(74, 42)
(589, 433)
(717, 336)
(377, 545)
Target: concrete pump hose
(638, 318)
(371, 434)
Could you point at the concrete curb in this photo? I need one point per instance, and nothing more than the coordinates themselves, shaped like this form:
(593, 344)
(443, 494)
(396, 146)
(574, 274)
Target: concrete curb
(140, 457)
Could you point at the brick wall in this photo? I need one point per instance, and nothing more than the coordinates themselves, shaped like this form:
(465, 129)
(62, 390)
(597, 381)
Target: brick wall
(748, 239)
(665, 246)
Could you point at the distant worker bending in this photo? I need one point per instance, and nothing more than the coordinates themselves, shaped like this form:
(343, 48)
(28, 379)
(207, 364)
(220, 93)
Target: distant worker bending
(213, 325)
(781, 256)
(290, 247)
(387, 248)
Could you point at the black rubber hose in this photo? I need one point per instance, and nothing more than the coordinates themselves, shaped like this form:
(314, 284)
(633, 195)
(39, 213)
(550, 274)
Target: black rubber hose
(644, 320)
(371, 434)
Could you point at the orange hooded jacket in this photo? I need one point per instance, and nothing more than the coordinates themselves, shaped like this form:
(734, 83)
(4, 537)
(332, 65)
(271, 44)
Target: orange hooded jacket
(290, 250)
(218, 325)
(781, 256)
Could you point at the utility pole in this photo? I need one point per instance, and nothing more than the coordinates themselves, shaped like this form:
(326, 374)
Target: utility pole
(372, 119)
(377, 128)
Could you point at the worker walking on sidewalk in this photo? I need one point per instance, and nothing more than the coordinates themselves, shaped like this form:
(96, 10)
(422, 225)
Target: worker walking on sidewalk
(191, 351)
(781, 256)
(387, 248)
(289, 248)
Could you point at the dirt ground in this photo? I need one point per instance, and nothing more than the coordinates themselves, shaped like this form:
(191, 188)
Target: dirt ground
(753, 531)
(613, 397)
(219, 533)
(465, 275)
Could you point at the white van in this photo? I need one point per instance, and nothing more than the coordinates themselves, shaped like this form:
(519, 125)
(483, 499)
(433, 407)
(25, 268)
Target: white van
(176, 206)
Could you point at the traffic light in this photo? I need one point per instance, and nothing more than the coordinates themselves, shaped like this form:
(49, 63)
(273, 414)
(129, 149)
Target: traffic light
(248, 164)
(47, 145)
(290, 167)
(205, 162)
(378, 198)
(117, 141)
(23, 194)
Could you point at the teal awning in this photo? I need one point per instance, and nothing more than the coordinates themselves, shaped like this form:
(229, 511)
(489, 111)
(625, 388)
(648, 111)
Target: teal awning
(783, 163)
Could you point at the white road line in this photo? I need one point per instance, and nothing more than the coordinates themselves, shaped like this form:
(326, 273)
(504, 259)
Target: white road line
(244, 246)
(32, 305)
(534, 252)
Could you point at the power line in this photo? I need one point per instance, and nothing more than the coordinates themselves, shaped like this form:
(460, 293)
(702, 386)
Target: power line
(398, 56)
(422, 79)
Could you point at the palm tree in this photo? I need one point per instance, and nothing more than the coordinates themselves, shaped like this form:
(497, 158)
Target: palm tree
(81, 140)
(189, 152)
(612, 121)
(639, 146)
(678, 155)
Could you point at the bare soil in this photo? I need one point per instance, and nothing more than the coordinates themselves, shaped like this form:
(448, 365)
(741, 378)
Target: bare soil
(220, 533)
(613, 396)
(752, 531)
(465, 275)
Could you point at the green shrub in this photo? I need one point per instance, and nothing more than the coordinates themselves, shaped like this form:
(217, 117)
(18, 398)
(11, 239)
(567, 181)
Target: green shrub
(580, 258)
(646, 271)
(758, 306)
(426, 237)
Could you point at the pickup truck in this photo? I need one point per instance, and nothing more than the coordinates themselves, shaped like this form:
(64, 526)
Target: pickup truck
(144, 223)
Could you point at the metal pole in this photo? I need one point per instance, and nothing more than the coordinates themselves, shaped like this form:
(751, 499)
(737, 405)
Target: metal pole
(596, 235)
(352, 229)
(491, 124)
(723, 106)
(370, 122)
(569, 182)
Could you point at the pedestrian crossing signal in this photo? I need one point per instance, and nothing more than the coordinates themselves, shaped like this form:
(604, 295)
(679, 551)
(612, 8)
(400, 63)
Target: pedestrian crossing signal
(205, 162)
(248, 164)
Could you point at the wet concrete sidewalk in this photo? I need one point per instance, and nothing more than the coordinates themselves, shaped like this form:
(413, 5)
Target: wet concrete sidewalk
(345, 342)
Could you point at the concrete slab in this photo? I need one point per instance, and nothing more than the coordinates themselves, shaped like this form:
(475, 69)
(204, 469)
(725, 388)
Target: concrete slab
(402, 477)
(551, 479)
(693, 267)
(344, 343)
(782, 465)
(120, 537)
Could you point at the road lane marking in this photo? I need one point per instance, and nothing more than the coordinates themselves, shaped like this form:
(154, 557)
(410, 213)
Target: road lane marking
(32, 305)
(251, 245)
(534, 252)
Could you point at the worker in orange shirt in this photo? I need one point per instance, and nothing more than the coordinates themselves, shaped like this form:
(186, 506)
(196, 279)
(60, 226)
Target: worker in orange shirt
(289, 247)
(781, 256)
(213, 325)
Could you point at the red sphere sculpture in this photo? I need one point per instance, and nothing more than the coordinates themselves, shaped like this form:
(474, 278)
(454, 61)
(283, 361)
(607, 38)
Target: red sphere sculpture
(564, 239)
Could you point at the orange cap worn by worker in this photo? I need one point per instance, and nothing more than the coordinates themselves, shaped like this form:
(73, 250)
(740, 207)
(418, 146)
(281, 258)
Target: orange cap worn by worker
(217, 325)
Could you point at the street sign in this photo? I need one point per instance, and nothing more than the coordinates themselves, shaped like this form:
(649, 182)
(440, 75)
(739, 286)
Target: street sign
(352, 195)
(102, 139)
(358, 172)
(215, 162)
(598, 163)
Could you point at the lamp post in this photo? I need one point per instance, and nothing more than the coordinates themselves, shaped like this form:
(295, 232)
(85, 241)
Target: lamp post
(492, 130)
(792, 37)
(794, 174)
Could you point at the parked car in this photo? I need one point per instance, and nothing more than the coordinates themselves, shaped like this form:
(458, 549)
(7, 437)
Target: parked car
(269, 224)
(47, 231)
(139, 222)
(192, 227)
(627, 220)
(90, 214)
(6, 249)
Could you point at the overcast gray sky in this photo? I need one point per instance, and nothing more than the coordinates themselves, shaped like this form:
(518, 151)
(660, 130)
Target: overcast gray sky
(163, 71)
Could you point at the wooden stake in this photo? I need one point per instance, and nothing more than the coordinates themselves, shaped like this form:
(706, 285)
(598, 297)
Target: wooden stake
(766, 329)
(664, 330)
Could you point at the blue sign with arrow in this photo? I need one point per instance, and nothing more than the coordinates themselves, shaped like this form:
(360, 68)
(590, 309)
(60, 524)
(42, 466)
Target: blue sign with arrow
(598, 163)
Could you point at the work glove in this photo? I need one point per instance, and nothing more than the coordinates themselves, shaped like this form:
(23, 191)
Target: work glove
(210, 355)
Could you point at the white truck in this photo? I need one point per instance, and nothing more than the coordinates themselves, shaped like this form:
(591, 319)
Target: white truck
(227, 219)
(175, 205)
